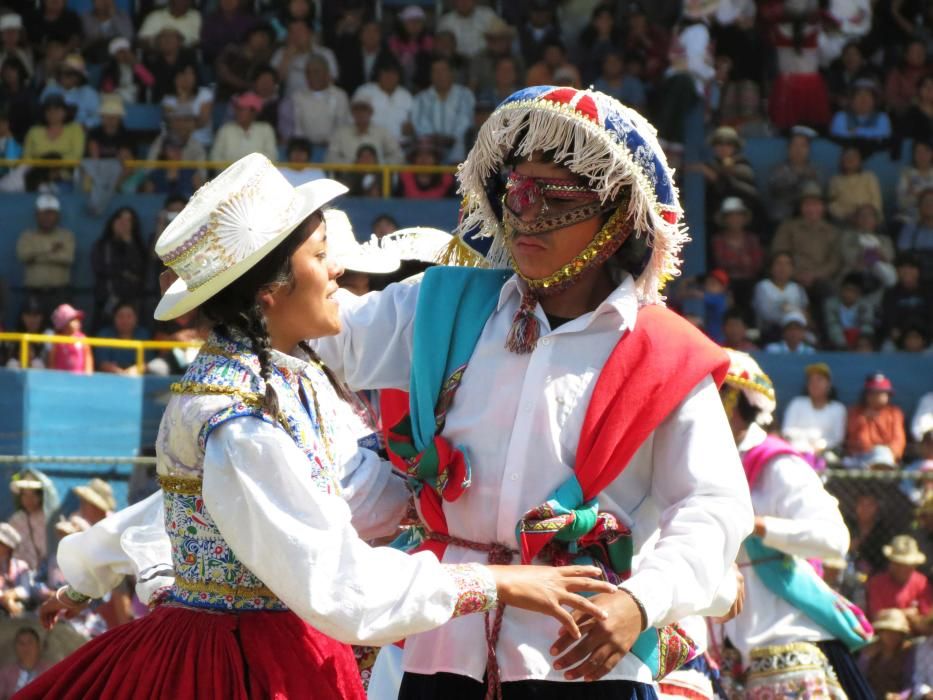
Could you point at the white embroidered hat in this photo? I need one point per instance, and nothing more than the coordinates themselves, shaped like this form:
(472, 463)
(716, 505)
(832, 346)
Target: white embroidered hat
(349, 253)
(229, 225)
(420, 243)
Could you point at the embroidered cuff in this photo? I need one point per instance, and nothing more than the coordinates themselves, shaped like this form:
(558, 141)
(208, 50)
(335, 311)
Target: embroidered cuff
(73, 596)
(476, 588)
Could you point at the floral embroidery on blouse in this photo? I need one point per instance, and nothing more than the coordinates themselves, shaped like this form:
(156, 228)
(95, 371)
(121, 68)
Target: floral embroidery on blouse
(476, 588)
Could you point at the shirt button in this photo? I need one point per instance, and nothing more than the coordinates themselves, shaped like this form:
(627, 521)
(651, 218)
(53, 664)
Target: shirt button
(545, 341)
(514, 477)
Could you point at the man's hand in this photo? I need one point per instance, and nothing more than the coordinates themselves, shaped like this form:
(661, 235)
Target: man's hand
(604, 642)
(739, 603)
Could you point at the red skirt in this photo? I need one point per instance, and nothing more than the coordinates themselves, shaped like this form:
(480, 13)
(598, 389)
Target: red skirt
(799, 98)
(183, 654)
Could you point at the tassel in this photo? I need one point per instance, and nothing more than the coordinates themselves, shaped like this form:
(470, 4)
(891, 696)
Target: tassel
(523, 336)
(459, 254)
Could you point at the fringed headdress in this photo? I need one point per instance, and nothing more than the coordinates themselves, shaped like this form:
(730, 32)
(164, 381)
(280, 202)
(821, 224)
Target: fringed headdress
(746, 376)
(596, 137)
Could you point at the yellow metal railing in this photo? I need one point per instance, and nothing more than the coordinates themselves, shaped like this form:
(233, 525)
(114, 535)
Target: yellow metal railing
(386, 170)
(140, 346)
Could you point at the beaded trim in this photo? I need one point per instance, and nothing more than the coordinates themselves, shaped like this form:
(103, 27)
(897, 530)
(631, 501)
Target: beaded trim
(512, 222)
(223, 589)
(741, 383)
(604, 244)
(188, 247)
(186, 387)
(185, 485)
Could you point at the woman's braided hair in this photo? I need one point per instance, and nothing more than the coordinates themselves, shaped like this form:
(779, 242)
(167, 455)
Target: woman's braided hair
(236, 308)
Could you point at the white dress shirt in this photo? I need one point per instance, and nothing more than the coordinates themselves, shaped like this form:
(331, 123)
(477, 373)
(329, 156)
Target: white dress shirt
(518, 419)
(811, 429)
(389, 111)
(922, 421)
(801, 519)
(771, 302)
(470, 31)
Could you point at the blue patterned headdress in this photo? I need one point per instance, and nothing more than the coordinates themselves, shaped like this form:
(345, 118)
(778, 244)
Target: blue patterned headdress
(596, 137)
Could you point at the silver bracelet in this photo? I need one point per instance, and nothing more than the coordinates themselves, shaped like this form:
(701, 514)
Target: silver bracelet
(640, 606)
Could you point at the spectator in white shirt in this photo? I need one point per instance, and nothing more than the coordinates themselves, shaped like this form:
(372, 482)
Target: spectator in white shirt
(816, 423)
(775, 296)
(444, 112)
(922, 422)
(346, 142)
(291, 60)
(317, 110)
(391, 102)
(178, 14)
(244, 135)
(468, 23)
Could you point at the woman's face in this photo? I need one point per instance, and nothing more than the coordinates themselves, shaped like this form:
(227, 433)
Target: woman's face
(543, 254)
(55, 116)
(125, 320)
(185, 80)
(851, 161)
(306, 308)
(31, 500)
(123, 225)
(818, 386)
(877, 399)
(32, 322)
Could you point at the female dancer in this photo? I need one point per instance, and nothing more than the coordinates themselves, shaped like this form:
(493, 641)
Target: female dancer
(262, 543)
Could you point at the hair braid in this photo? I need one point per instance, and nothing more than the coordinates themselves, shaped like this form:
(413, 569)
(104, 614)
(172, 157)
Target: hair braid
(342, 390)
(255, 328)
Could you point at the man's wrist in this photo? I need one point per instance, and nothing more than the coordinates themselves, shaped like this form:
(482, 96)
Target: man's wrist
(638, 604)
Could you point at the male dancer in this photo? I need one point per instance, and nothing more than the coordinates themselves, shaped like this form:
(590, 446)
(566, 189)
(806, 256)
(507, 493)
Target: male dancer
(794, 632)
(559, 412)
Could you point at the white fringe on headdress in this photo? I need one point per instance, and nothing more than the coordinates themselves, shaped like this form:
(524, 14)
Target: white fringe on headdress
(588, 150)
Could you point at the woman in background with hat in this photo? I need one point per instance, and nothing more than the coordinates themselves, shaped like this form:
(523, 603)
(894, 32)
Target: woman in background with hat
(71, 83)
(262, 541)
(34, 499)
(70, 357)
(887, 662)
(875, 420)
(728, 173)
(816, 422)
(17, 580)
(736, 249)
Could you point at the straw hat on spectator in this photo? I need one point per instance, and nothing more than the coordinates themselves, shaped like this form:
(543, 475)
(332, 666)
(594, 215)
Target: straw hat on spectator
(726, 134)
(69, 526)
(819, 368)
(892, 620)
(111, 105)
(9, 536)
(498, 27)
(229, 225)
(25, 481)
(926, 506)
(75, 63)
(904, 550)
(810, 190)
(98, 493)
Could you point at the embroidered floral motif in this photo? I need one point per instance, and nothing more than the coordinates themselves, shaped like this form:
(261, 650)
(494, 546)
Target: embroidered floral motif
(792, 671)
(207, 572)
(676, 648)
(476, 589)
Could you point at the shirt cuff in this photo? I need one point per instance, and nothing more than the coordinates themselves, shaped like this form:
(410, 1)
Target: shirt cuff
(654, 592)
(780, 533)
(475, 588)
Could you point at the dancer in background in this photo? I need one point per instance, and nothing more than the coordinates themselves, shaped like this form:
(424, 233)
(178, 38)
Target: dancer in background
(795, 633)
(556, 408)
(269, 572)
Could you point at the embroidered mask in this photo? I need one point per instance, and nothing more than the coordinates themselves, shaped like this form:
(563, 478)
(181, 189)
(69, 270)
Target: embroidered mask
(556, 203)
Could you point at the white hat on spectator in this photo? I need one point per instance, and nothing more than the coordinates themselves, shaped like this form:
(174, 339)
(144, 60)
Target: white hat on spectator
(804, 131)
(347, 252)
(793, 316)
(731, 205)
(878, 458)
(48, 202)
(419, 243)
(9, 536)
(25, 481)
(412, 12)
(904, 550)
(11, 20)
(892, 620)
(118, 44)
(98, 493)
(229, 225)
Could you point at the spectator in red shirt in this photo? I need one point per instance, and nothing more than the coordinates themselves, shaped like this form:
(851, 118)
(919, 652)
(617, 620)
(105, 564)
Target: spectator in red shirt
(875, 421)
(736, 249)
(901, 586)
(425, 185)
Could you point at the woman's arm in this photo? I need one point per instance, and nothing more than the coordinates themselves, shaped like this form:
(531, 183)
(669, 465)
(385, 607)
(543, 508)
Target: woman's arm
(264, 497)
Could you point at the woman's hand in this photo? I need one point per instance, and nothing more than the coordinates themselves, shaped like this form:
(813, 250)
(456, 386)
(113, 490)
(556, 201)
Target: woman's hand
(53, 610)
(546, 589)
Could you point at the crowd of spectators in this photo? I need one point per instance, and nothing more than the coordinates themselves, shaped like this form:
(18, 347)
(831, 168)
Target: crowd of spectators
(29, 572)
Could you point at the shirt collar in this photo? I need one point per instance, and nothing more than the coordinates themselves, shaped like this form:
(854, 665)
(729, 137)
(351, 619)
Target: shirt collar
(622, 301)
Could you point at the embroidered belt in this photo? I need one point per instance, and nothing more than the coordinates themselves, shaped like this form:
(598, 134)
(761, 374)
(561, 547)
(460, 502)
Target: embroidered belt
(223, 589)
(797, 656)
(184, 485)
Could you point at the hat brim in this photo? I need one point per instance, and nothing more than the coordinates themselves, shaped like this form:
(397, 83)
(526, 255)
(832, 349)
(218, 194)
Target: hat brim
(909, 559)
(25, 485)
(179, 300)
(880, 626)
(8, 542)
(721, 215)
(94, 498)
(369, 263)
